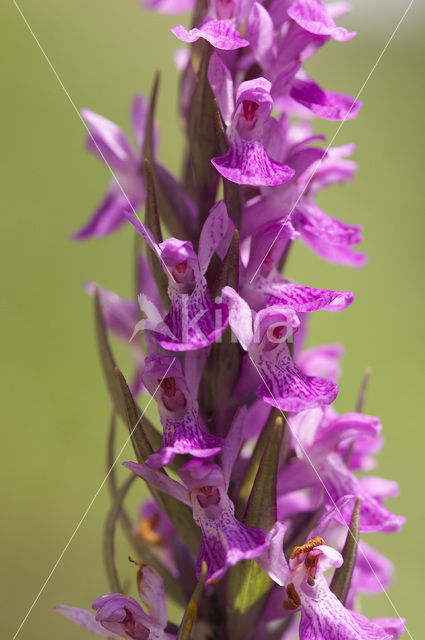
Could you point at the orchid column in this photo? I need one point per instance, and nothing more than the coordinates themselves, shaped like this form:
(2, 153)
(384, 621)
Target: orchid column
(252, 472)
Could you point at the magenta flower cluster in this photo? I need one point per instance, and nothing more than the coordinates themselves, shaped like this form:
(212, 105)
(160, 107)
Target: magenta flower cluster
(256, 527)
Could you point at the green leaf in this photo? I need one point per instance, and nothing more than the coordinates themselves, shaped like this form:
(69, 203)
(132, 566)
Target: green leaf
(248, 586)
(254, 464)
(153, 223)
(143, 551)
(171, 202)
(109, 537)
(223, 364)
(108, 361)
(191, 611)
(202, 139)
(362, 392)
(179, 514)
(341, 579)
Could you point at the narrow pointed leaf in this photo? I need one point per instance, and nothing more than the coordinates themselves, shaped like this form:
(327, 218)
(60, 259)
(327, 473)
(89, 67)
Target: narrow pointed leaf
(363, 390)
(148, 144)
(108, 361)
(341, 579)
(254, 463)
(109, 537)
(153, 223)
(191, 611)
(179, 514)
(202, 139)
(142, 550)
(171, 203)
(249, 586)
(223, 364)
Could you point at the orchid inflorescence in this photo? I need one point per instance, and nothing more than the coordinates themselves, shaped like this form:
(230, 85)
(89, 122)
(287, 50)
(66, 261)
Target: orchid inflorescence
(255, 492)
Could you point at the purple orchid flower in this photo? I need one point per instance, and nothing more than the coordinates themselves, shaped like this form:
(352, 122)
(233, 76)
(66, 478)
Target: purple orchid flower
(289, 211)
(225, 541)
(262, 285)
(323, 616)
(372, 571)
(250, 129)
(220, 27)
(283, 384)
(126, 192)
(282, 40)
(119, 616)
(184, 429)
(194, 320)
(318, 436)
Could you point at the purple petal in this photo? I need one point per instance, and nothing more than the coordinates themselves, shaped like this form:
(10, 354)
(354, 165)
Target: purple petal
(333, 168)
(120, 315)
(233, 443)
(107, 141)
(324, 361)
(347, 426)
(169, 6)
(310, 218)
(336, 253)
(185, 436)
(373, 571)
(287, 388)
(212, 234)
(340, 481)
(151, 593)
(394, 626)
(273, 561)
(194, 320)
(222, 34)
(247, 163)
(139, 112)
(325, 104)
(303, 299)
(260, 33)
(110, 215)
(159, 480)
(240, 316)
(85, 619)
(313, 16)
(221, 83)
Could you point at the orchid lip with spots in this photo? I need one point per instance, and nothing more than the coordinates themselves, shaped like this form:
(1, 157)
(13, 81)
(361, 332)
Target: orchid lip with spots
(261, 493)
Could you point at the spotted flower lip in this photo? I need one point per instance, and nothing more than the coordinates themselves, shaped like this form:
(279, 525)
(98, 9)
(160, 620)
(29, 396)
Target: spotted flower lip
(323, 616)
(249, 127)
(184, 429)
(225, 541)
(283, 384)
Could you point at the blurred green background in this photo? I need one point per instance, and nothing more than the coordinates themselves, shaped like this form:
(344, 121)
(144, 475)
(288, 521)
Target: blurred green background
(54, 404)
